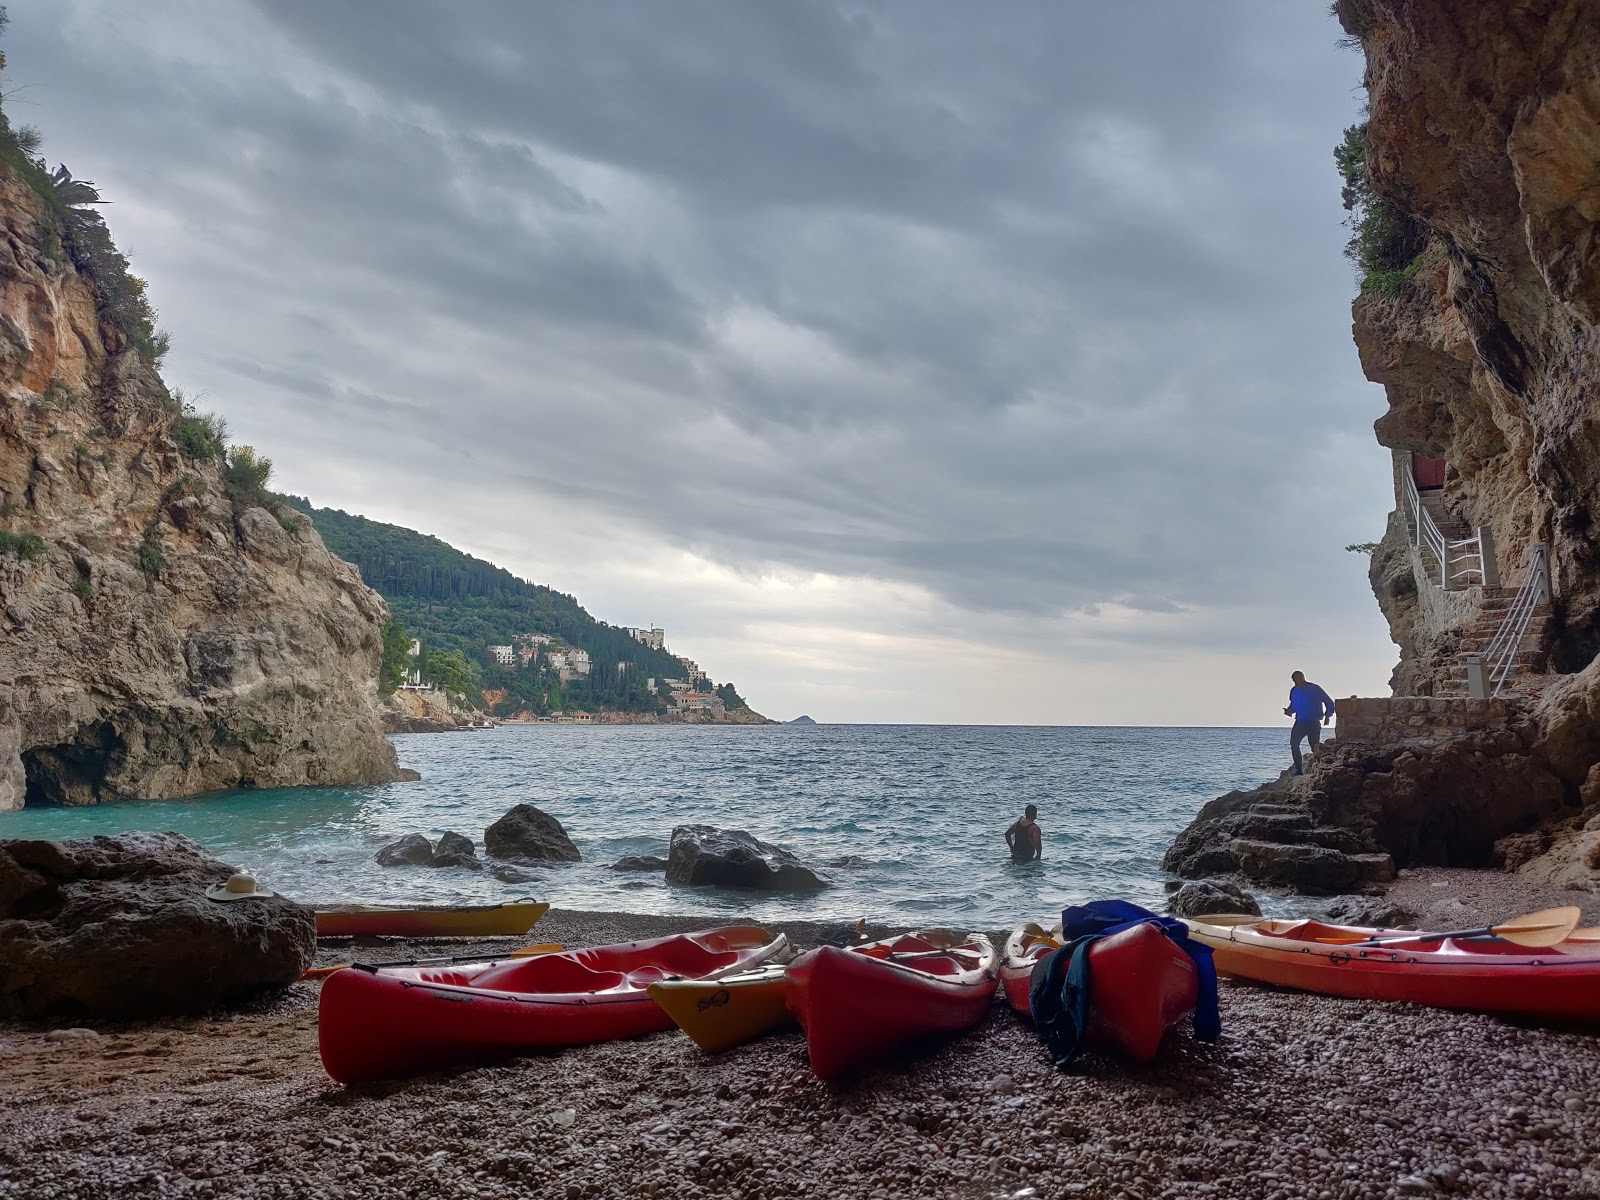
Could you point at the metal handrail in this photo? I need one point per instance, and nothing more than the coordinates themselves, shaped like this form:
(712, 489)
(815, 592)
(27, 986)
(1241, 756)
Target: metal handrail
(1426, 534)
(1501, 653)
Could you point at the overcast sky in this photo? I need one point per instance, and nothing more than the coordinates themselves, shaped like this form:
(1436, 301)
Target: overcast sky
(907, 361)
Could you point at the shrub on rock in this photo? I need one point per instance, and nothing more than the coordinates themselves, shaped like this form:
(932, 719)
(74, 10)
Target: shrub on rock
(530, 835)
(121, 927)
(702, 855)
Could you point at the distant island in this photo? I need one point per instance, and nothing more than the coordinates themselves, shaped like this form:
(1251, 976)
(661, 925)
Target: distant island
(802, 720)
(470, 640)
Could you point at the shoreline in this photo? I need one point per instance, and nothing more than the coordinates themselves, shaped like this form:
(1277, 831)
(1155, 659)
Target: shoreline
(1304, 1095)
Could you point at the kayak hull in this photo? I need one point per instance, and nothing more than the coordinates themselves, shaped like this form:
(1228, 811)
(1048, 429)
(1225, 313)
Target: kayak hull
(722, 1013)
(1561, 983)
(1140, 985)
(492, 920)
(859, 1004)
(384, 1023)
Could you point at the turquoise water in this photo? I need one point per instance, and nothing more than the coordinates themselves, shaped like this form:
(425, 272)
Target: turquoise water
(920, 809)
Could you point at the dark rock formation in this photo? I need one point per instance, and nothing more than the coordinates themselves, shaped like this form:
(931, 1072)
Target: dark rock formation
(528, 834)
(1372, 913)
(1212, 896)
(413, 850)
(640, 862)
(1270, 836)
(506, 873)
(454, 850)
(703, 855)
(121, 927)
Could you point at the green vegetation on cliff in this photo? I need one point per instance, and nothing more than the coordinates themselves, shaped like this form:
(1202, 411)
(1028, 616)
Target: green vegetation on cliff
(460, 606)
(1387, 245)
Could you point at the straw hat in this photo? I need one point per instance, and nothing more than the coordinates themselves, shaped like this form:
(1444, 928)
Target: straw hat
(238, 887)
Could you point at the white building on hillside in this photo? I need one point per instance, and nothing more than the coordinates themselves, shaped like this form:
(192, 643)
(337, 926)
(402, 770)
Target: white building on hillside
(504, 655)
(569, 664)
(413, 678)
(693, 668)
(656, 639)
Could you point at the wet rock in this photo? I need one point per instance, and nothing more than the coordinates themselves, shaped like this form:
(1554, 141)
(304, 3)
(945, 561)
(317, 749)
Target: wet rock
(705, 856)
(454, 850)
(413, 850)
(407, 775)
(1212, 896)
(1314, 870)
(1373, 913)
(847, 860)
(506, 873)
(121, 927)
(528, 834)
(640, 862)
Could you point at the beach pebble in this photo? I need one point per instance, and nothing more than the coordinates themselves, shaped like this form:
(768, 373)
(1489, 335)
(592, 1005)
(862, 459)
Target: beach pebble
(72, 1035)
(564, 1116)
(1003, 1084)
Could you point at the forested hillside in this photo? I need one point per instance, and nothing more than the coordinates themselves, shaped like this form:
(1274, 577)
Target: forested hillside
(457, 603)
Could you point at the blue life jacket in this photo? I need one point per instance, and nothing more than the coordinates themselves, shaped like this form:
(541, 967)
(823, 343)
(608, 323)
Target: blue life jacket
(1058, 991)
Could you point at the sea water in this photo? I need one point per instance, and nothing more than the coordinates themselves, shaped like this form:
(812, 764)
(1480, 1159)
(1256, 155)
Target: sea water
(906, 822)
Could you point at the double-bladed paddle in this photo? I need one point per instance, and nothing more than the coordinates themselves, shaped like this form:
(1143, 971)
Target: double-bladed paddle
(520, 952)
(1547, 927)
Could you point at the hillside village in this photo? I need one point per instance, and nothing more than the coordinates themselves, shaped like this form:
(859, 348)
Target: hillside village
(558, 672)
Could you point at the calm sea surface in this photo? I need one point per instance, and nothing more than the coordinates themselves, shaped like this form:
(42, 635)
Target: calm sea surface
(919, 810)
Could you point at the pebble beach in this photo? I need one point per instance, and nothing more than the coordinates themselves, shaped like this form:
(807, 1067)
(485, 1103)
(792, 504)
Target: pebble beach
(1304, 1096)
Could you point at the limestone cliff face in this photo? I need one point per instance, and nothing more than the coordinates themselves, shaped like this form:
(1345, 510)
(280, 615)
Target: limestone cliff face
(160, 643)
(1485, 125)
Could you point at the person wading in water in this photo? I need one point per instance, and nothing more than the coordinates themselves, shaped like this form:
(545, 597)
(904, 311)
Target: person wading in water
(1025, 837)
(1308, 704)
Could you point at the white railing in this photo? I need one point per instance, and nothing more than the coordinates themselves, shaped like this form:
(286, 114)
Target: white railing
(1429, 539)
(1487, 672)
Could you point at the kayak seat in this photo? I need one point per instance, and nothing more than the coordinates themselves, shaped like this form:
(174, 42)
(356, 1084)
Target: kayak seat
(548, 973)
(643, 977)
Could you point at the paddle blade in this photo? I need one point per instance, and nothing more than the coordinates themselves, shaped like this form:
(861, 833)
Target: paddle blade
(535, 951)
(1548, 927)
(1589, 933)
(1226, 919)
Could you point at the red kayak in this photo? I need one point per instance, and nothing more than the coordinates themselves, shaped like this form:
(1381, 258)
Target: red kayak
(861, 1003)
(1141, 984)
(378, 1022)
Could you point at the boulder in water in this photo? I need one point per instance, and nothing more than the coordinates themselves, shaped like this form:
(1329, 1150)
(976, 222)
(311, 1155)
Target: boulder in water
(121, 927)
(413, 850)
(528, 834)
(506, 873)
(454, 850)
(705, 856)
(640, 862)
(1212, 896)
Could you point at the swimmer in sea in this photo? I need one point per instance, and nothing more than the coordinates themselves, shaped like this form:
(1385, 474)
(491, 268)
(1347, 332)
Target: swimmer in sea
(1025, 838)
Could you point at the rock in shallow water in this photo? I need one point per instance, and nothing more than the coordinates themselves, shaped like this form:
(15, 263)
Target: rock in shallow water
(121, 927)
(413, 850)
(530, 835)
(1212, 896)
(705, 856)
(640, 862)
(454, 850)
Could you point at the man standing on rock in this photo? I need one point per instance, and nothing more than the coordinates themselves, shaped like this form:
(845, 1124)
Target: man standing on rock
(1308, 705)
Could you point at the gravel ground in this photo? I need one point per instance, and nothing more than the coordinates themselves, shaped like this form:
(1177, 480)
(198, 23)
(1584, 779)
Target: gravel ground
(1304, 1096)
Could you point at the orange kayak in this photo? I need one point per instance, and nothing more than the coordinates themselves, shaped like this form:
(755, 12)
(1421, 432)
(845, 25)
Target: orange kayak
(1481, 974)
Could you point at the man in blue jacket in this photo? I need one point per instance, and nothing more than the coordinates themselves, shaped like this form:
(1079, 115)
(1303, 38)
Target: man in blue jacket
(1308, 705)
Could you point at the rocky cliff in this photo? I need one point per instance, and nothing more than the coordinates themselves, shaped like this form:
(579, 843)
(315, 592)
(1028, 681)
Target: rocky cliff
(1484, 128)
(157, 637)
(1483, 140)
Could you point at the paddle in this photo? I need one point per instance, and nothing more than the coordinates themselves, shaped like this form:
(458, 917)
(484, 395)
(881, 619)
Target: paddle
(1589, 933)
(520, 952)
(1548, 927)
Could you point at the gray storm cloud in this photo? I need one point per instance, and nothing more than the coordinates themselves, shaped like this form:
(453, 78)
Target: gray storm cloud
(1037, 311)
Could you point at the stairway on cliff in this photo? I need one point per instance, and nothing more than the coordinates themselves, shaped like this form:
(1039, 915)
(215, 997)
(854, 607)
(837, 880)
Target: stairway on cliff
(1529, 661)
